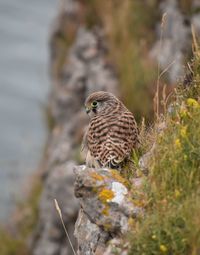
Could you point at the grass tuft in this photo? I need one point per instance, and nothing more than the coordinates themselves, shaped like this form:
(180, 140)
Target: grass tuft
(171, 223)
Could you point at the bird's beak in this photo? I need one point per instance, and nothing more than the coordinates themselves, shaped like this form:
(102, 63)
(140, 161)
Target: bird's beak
(87, 109)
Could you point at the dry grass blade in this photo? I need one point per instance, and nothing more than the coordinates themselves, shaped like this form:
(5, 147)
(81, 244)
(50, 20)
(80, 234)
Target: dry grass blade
(195, 43)
(156, 98)
(166, 69)
(61, 218)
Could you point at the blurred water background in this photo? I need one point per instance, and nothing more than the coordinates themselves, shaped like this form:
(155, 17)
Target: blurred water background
(24, 85)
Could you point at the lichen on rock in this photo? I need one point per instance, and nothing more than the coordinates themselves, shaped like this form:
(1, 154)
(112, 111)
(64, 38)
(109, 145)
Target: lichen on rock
(105, 202)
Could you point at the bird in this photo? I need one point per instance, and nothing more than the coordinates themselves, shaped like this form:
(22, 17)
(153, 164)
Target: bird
(112, 132)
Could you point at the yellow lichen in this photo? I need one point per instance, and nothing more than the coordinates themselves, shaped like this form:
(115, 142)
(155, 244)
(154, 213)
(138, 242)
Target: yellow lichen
(105, 211)
(96, 176)
(106, 195)
(118, 177)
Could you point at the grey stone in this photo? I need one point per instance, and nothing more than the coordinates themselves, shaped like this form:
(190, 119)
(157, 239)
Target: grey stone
(91, 238)
(175, 43)
(49, 236)
(84, 70)
(106, 207)
(116, 246)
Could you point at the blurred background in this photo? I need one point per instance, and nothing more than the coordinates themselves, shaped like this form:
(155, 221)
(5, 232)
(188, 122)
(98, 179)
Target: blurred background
(52, 55)
(24, 86)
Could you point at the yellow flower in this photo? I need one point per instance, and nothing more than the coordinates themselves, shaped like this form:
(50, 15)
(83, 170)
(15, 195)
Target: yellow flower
(183, 111)
(177, 193)
(177, 143)
(163, 248)
(153, 237)
(192, 102)
(183, 132)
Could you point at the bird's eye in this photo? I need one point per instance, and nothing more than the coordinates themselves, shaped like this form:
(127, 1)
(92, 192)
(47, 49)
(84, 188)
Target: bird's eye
(94, 104)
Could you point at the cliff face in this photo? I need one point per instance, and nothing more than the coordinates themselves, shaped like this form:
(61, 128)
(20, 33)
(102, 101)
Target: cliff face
(77, 70)
(79, 66)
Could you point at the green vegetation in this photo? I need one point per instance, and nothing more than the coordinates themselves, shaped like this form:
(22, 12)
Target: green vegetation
(27, 215)
(172, 189)
(130, 33)
(172, 224)
(10, 245)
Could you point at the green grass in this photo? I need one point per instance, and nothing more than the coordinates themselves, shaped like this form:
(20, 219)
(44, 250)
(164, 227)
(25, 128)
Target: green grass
(130, 33)
(10, 245)
(169, 229)
(16, 243)
(171, 223)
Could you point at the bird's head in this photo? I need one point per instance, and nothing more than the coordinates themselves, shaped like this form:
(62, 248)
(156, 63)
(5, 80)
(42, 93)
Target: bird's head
(100, 102)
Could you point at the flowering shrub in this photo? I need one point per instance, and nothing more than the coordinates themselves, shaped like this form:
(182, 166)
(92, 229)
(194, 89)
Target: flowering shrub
(171, 224)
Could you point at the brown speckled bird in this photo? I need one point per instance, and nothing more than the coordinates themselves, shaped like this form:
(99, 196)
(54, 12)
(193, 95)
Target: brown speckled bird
(112, 132)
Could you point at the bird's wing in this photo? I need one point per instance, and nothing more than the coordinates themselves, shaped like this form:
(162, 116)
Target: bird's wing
(120, 139)
(124, 135)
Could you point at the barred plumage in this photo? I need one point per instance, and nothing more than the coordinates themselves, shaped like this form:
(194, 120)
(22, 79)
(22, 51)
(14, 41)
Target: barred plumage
(112, 132)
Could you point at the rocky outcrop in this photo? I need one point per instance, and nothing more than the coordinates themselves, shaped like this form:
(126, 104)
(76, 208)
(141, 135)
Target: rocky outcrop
(77, 70)
(107, 208)
(49, 237)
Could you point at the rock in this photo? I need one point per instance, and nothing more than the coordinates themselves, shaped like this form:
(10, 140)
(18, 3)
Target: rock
(49, 236)
(107, 207)
(91, 238)
(196, 17)
(116, 246)
(78, 67)
(84, 71)
(173, 47)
